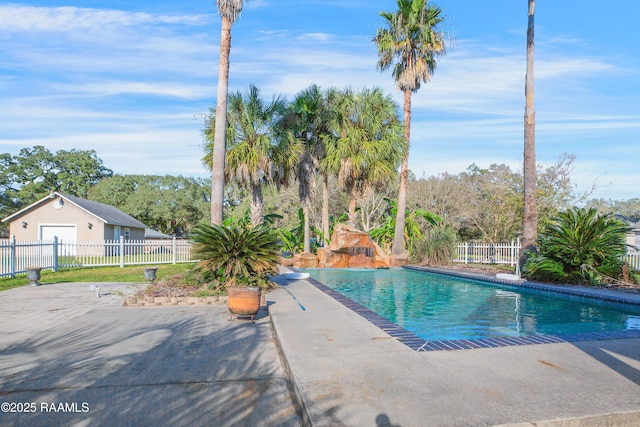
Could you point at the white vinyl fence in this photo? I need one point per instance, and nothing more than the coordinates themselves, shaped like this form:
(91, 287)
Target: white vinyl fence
(633, 258)
(17, 256)
(488, 253)
(507, 253)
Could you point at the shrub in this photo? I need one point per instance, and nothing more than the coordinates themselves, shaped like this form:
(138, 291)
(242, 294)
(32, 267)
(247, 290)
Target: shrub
(437, 247)
(579, 247)
(193, 282)
(237, 255)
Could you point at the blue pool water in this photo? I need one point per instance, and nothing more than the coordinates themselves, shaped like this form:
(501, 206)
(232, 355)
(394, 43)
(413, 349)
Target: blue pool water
(437, 307)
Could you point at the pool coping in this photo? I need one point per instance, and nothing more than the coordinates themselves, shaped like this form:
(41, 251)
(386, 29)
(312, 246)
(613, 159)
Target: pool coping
(416, 343)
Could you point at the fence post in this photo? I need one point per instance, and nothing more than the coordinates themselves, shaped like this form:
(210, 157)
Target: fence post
(466, 252)
(512, 252)
(121, 251)
(55, 253)
(173, 251)
(12, 256)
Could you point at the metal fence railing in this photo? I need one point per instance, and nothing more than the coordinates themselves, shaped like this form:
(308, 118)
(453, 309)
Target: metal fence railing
(17, 256)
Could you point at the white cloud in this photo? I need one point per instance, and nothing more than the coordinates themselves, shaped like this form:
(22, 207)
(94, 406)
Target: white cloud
(160, 89)
(131, 82)
(16, 18)
(315, 36)
(566, 66)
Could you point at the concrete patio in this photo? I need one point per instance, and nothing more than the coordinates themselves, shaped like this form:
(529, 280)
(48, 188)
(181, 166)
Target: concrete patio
(135, 366)
(322, 366)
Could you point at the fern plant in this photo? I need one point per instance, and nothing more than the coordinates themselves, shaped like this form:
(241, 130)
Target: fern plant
(239, 256)
(579, 247)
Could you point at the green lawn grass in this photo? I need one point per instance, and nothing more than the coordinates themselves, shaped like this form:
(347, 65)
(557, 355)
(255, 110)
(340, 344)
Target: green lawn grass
(134, 273)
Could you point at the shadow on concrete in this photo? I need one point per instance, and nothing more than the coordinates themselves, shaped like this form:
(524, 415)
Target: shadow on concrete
(612, 353)
(148, 366)
(382, 420)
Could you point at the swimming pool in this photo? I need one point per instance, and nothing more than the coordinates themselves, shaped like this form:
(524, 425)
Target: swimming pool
(438, 307)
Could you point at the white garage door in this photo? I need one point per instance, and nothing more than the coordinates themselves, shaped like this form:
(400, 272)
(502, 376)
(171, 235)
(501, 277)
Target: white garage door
(67, 235)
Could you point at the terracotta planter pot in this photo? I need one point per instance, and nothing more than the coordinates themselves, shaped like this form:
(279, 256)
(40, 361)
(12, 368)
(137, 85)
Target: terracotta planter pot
(243, 301)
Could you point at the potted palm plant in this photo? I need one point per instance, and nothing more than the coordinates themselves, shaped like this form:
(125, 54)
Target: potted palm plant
(242, 257)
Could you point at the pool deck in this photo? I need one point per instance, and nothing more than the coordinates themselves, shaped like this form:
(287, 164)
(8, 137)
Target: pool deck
(347, 371)
(190, 366)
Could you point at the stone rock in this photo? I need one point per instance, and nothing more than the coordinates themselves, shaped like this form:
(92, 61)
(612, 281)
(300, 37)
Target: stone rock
(287, 262)
(399, 260)
(305, 260)
(351, 248)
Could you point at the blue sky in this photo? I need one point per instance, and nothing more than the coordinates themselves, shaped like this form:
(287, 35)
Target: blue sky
(133, 80)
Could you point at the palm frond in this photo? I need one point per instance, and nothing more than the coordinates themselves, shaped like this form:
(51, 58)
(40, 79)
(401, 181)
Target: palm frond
(245, 255)
(576, 241)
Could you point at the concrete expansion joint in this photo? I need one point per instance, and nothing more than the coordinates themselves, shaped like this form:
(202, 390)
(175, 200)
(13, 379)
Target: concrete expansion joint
(133, 301)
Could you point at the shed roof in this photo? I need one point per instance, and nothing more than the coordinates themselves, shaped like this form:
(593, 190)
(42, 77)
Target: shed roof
(106, 213)
(150, 233)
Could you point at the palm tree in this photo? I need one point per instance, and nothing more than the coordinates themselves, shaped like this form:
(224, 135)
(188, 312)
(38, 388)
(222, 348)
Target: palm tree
(411, 42)
(530, 215)
(369, 147)
(308, 116)
(334, 109)
(229, 10)
(257, 153)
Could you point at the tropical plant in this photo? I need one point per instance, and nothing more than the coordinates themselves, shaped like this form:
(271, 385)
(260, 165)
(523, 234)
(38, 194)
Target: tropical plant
(437, 247)
(579, 247)
(245, 220)
(308, 122)
(337, 105)
(229, 11)
(530, 214)
(369, 146)
(385, 233)
(411, 42)
(292, 240)
(257, 153)
(240, 256)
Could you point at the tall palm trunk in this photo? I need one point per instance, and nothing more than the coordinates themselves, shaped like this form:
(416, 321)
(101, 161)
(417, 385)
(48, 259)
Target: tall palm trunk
(398, 235)
(325, 208)
(257, 205)
(305, 179)
(352, 211)
(306, 247)
(217, 161)
(530, 221)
